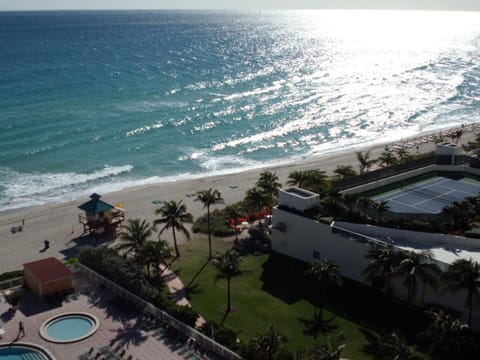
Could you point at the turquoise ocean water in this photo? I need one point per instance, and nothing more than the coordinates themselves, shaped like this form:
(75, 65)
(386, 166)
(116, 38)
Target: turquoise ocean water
(99, 101)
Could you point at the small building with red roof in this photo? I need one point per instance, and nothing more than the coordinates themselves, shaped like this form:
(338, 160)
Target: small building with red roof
(47, 276)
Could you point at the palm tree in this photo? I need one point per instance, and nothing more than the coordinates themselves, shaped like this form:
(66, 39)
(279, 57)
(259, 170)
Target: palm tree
(269, 184)
(395, 348)
(313, 180)
(415, 267)
(403, 155)
(365, 161)
(173, 215)
(387, 159)
(266, 344)
(256, 200)
(344, 171)
(456, 135)
(446, 334)
(133, 235)
(155, 253)
(234, 213)
(330, 350)
(324, 273)
(388, 346)
(382, 206)
(384, 260)
(464, 274)
(209, 197)
(461, 214)
(228, 266)
(333, 202)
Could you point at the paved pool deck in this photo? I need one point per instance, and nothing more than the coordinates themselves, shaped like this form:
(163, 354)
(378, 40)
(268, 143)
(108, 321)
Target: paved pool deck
(131, 335)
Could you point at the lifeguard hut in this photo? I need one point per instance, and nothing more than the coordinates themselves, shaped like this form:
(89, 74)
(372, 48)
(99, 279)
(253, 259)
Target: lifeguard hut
(100, 217)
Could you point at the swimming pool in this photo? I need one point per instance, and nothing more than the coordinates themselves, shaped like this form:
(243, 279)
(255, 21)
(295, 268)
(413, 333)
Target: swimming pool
(69, 327)
(21, 351)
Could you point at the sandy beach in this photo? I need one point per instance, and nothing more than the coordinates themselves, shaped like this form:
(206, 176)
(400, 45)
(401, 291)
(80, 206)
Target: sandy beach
(58, 223)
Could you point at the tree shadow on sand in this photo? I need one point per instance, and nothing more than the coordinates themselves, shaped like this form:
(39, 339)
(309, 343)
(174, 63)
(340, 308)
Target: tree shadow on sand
(318, 325)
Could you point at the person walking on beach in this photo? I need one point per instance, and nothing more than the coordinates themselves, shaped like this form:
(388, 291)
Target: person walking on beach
(21, 329)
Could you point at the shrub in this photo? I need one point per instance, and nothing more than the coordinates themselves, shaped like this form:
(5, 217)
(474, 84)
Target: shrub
(13, 298)
(72, 261)
(183, 313)
(218, 224)
(221, 334)
(120, 270)
(11, 275)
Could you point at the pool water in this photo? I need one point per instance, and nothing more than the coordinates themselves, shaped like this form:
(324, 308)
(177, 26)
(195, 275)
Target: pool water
(20, 353)
(70, 327)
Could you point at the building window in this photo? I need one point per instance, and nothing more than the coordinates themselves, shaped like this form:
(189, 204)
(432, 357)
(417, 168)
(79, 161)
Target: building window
(316, 255)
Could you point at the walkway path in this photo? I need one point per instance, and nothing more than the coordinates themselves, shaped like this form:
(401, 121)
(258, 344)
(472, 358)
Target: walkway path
(177, 290)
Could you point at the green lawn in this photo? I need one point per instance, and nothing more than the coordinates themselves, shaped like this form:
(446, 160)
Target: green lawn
(266, 294)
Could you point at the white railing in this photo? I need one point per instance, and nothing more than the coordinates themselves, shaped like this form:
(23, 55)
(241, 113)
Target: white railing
(202, 340)
(11, 283)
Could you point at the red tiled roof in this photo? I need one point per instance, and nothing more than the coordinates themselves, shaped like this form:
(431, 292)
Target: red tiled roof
(49, 269)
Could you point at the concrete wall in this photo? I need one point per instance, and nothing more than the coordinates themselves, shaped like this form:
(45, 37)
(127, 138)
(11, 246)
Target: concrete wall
(43, 289)
(297, 198)
(56, 286)
(302, 236)
(31, 282)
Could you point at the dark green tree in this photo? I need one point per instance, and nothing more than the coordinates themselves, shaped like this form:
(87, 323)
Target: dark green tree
(153, 254)
(208, 198)
(325, 274)
(234, 212)
(314, 180)
(415, 268)
(133, 235)
(256, 201)
(382, 265)
(173, 216)
(269, 184)
(228, 266)
(447, 335)
(265, 345)
(387, 159)
(365, 163)
(464, 274)
(344, 172)
(328, 350)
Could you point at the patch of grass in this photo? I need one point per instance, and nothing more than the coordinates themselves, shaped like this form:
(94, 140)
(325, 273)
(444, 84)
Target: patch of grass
(265, 294)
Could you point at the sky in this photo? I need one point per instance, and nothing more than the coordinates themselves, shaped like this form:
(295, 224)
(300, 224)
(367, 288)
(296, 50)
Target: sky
(462, 5)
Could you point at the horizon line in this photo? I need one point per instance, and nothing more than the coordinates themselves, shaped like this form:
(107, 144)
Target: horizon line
(243, 9)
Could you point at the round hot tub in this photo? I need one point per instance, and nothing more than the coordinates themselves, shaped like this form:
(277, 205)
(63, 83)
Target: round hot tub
(69, 327)
(21, 351)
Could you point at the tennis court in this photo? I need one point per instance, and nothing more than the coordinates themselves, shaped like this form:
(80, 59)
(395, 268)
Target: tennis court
(429, 196)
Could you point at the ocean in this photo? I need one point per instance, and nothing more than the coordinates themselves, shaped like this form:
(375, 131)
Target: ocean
(96, 101)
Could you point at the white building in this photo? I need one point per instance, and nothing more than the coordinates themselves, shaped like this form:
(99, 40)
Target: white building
(299, 236)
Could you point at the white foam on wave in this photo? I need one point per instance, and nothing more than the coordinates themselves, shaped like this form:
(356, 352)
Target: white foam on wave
(144, 129)
(28, 189)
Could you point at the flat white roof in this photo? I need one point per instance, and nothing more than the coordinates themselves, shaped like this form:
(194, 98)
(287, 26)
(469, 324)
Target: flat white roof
(444, 254)
(299, 192)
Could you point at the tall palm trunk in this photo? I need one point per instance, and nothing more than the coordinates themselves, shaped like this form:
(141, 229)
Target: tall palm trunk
(209, 234)
(177, 252)
(470, 308)
(229, 303)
